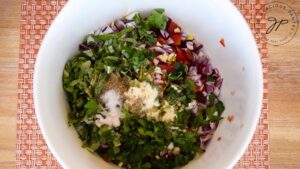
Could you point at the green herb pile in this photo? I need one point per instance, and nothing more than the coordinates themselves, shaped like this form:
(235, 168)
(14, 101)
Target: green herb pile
(139, 142)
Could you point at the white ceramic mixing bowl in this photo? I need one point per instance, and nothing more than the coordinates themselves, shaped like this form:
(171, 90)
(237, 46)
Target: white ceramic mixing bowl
(209, 20)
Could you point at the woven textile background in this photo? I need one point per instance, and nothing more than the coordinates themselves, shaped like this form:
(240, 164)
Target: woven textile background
(36, 17)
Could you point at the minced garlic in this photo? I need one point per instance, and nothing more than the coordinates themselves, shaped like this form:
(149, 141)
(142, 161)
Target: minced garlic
(142, 97)
(169, 112)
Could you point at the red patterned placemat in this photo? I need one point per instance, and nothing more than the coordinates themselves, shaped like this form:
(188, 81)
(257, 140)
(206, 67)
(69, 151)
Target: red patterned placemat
(37, 15)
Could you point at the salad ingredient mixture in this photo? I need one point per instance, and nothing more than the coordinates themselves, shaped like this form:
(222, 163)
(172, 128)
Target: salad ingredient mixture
(142, 93)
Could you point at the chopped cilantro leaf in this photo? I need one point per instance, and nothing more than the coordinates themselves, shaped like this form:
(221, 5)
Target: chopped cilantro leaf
(157, 19)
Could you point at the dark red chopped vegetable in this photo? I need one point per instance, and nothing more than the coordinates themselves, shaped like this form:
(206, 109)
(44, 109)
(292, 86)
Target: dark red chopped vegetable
(171, 26)
(161, 40)
(181, 57)
(176, 38)
(189, 55)
(168, 68)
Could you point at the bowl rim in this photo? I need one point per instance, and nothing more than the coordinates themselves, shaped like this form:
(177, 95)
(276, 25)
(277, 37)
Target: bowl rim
(38, 65)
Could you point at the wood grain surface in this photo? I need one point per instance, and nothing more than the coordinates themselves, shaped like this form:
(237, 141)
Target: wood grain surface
(284, 100)
(9, 49)
(284, 92)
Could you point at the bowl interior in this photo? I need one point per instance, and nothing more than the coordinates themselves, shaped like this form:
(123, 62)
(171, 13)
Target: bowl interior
(209, 21)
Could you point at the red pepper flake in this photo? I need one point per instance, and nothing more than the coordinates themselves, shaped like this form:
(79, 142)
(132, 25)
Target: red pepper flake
(219, 139)
(222, 42)
(230, 118)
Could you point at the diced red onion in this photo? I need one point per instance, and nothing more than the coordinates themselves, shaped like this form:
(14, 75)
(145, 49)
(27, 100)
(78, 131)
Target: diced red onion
(168, 49)
(103, 28)
(195, 77)
(130, 24)
(158, 81)
(219, 82)
(196, 56)
(193, 74)
(197, 46)
(162, 153)
(130, 16)
(203, 60)
(183, 37)
(97, 32)
(170, 41)
(83, 47)
(106, 30)
(207, 132)
(198, 83)
(164, 34)
(158, 76)
(216, 71)
(213, 126)
(204, 140)
(217, 91)
(190, 45)
(120, 24)
(209, 89)
(104, 146)
(201, 54)
(209, 83)
(155, 61)
(207, 70)
(193, 70)
(201, 105)
(157, 49)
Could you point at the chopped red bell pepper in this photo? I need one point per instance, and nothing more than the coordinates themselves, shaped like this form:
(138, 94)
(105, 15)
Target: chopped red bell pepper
(168, 68)
(181, 57)
(161, 40)
(172, 26)
(176, 38)
(189, 55)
